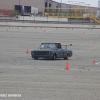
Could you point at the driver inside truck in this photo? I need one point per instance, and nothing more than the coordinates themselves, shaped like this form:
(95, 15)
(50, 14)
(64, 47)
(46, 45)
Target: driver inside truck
(58, 45)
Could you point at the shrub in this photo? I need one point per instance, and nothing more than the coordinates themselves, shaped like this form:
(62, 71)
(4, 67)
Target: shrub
(14, 13)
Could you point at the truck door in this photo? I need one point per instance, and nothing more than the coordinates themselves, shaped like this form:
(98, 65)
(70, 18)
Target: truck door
(59, 50)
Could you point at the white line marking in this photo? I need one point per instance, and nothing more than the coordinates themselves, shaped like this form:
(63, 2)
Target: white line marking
(97, 63)
(93, 48)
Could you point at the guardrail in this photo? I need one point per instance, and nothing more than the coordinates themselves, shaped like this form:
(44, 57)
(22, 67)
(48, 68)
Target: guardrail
(37, 19)
(48, 27)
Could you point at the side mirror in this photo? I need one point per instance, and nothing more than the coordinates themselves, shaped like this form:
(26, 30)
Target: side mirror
(70, 44)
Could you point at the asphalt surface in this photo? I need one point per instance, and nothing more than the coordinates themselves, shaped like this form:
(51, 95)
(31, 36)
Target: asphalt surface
(23, 78)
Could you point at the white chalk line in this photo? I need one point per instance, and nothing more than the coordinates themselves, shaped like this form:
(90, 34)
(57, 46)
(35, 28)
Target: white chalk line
(97, 63)
(94, 48)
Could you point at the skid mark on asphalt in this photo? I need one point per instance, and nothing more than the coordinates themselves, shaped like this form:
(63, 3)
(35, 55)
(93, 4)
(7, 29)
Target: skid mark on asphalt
(49, 83)
(80, 51)
(89, 49)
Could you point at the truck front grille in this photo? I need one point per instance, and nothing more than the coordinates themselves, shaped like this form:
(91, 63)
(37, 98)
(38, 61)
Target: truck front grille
(41, 53)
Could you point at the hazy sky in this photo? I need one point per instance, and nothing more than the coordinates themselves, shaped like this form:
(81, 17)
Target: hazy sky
(93, 3)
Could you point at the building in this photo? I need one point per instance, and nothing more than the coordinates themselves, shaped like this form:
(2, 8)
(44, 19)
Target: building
(10, 4)
(40, 4)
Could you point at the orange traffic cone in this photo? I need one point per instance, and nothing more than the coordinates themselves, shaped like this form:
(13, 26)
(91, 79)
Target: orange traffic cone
(27, 51)
(93, 62)
(7, 29)
(67, 66)
(83, 32)
(44, 31)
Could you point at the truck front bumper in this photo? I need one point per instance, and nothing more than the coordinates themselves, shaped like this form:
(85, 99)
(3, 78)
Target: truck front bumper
(42, 56)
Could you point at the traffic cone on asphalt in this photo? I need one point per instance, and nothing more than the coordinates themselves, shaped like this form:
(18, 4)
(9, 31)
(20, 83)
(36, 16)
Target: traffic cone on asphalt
(83, 32)
(27, 51)
(93, 62)
(7, 29)
(44, 31)
(67, 66)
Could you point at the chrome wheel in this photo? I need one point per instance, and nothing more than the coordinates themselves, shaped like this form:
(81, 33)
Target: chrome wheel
(54, 57)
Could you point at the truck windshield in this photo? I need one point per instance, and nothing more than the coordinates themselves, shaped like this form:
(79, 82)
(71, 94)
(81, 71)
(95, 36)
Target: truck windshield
(48, 45)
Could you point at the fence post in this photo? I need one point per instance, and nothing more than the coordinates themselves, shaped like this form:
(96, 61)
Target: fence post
(70, 17)
(34, 16)
(23, 18)
(94, 18)
(11, 16)
(58, 15)
(47, 18)
(58, 18)
(82, 18)
(5, 18)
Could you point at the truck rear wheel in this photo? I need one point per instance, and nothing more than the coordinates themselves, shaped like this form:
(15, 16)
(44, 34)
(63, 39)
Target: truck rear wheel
(67, 56)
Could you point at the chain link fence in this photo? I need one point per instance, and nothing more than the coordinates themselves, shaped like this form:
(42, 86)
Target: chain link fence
(39, 17)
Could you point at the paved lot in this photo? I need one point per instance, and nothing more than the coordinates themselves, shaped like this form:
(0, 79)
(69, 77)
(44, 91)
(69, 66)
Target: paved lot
(48, 79)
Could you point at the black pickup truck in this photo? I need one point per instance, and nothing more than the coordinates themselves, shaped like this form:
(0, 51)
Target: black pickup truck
(52, 51)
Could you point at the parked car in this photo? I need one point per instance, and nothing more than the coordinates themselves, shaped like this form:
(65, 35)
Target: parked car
(52, 51)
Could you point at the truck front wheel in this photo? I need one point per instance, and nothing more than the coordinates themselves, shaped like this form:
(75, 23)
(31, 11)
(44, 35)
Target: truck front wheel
(54, 57)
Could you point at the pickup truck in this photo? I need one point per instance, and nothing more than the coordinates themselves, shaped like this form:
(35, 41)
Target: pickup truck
(52, 51)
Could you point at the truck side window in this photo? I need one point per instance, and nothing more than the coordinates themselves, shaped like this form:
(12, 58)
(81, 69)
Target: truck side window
(59, 45)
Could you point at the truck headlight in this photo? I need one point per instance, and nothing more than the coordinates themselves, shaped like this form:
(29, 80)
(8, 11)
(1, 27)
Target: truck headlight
(49, 52)
(32, 53)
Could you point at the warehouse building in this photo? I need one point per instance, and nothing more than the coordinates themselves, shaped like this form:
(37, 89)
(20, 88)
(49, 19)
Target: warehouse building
(39, 4)
(10, 4)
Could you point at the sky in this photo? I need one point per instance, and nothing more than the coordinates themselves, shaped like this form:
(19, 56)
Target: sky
(93, 3)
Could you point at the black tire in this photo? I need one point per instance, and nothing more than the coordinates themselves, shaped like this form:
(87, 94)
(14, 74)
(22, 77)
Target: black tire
(67, 57)
(54, 57)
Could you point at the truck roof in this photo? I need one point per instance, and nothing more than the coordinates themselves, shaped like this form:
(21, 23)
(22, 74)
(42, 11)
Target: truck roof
(51, 42)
